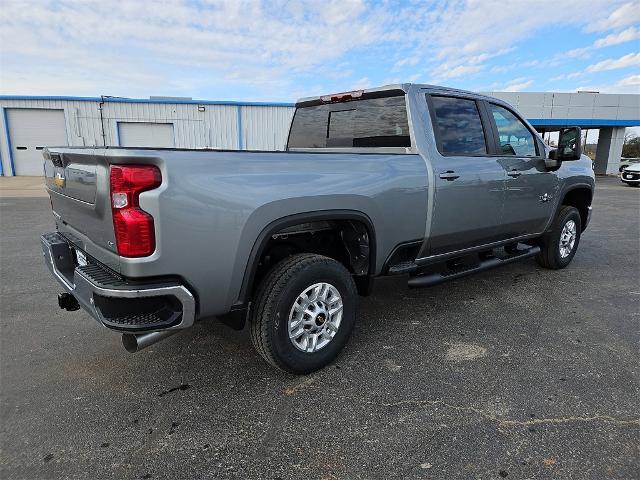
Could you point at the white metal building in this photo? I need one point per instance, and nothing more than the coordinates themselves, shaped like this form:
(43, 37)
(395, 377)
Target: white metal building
(30, 123)
(610, 114)
(27, 124)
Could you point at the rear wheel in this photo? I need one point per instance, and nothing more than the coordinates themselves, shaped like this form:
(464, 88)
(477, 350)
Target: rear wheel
(303, 313)
(559, 246)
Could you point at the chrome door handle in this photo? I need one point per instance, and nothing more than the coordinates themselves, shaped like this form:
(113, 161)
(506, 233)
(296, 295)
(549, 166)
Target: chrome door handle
(514, 173)
(449, 175)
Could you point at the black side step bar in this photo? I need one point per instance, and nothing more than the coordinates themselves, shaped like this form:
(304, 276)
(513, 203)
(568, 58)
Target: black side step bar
(439, 277)
(403, 267)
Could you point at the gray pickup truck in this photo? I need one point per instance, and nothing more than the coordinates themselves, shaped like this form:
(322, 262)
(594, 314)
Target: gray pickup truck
(416, 180)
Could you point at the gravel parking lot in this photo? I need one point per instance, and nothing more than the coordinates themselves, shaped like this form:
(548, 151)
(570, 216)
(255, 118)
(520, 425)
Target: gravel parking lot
(515, 373)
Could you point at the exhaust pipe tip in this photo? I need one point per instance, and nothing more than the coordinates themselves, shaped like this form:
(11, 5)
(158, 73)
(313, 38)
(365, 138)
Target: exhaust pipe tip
(135, 342)
(129, 342)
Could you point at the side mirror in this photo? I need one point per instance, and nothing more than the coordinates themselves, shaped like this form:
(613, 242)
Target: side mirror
(569, 145)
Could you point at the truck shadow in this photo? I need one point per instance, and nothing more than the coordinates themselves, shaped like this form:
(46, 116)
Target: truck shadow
(457, 309)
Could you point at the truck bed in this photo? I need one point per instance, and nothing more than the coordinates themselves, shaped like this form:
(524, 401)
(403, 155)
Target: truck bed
(214, 204)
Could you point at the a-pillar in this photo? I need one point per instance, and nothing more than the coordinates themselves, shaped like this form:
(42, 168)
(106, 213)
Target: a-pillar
(609, 150)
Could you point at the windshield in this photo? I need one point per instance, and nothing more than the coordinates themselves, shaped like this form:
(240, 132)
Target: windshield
(375, 122)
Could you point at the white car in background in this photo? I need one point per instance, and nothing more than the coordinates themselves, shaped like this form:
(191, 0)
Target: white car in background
(626, 162)
(631, 175)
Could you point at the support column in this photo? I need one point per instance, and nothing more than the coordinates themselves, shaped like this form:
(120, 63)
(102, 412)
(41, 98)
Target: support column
(609, 150)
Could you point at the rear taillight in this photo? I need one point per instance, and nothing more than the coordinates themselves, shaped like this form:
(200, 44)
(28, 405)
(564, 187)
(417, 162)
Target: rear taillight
(133, 227)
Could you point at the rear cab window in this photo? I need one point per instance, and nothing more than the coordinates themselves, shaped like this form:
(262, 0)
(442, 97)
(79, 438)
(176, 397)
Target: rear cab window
(458, 126)
(358, 123)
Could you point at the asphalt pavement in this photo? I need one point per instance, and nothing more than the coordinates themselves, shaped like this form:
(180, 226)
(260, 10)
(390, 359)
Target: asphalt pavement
(514, 373)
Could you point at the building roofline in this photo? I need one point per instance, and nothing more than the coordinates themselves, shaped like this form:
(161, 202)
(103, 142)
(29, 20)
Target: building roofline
(147, 100)
(592, 122)
(394, 86)
(583, 122)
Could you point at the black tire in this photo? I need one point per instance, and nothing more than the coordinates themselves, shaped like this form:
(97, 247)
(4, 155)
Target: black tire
(274, 300)
(549, 256)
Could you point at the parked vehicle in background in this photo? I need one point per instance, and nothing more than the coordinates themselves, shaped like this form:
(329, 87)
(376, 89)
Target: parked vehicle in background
(627, 162)
(416, 180)
(631, 175)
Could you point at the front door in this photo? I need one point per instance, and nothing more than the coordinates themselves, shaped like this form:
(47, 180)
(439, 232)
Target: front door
(530, 189)
(469, 181)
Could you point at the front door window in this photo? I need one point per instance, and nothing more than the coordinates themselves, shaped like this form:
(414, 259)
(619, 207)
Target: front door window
(515, 138)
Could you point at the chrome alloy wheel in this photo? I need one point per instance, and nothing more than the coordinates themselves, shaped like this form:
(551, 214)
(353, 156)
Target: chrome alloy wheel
(315, 317)
(568, 238)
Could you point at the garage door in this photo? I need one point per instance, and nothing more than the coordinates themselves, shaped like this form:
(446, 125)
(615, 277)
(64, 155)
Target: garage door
(146, 134)
(30, 130)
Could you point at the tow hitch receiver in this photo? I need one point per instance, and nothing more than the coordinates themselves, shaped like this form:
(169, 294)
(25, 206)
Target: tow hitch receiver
(68, 302)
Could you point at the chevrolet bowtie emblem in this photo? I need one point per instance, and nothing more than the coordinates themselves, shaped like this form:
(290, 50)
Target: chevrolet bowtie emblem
(59, 180)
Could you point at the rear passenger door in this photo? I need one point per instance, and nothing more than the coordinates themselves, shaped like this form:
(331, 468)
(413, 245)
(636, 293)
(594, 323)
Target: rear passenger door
(529, 188)
(469, 180)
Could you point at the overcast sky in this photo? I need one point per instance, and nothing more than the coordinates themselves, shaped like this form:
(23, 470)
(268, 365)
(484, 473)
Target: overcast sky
(284, 49)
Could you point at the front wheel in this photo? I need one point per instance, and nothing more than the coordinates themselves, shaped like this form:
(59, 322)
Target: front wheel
(303, 313)
(560, 244)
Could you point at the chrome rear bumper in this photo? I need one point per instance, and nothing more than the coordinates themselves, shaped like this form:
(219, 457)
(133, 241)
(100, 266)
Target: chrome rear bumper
(117, 303)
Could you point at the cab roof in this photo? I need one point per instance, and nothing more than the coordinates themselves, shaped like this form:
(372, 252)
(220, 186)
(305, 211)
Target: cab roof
(405, 87)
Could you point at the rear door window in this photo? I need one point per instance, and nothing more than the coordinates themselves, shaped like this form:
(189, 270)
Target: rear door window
(367, 123)
(458, 125)
(515, 138)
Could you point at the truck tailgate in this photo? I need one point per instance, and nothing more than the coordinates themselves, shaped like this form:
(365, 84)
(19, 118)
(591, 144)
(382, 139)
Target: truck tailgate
(78, 183)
